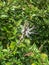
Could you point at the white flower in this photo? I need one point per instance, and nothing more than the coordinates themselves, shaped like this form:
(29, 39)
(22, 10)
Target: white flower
(27, 31)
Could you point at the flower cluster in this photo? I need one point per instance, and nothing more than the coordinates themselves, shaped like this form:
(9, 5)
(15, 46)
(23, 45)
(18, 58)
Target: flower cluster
(26, 30)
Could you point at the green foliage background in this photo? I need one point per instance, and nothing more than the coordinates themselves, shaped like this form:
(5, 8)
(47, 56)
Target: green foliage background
(13, 14)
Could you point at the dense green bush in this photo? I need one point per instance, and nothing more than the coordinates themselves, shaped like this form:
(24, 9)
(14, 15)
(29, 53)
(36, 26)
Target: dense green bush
(19, 45)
